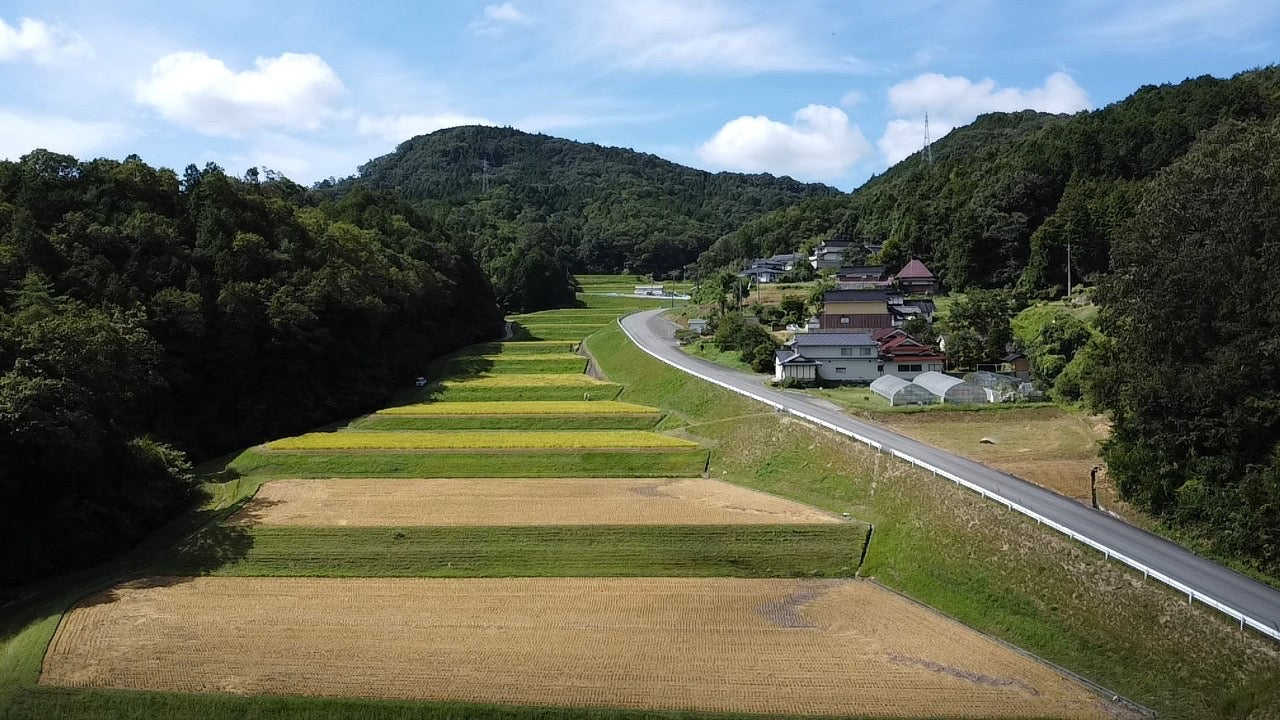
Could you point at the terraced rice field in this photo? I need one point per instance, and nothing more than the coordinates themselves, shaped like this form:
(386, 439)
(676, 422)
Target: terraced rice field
(524, 347)
(567, 407)
(549, 501)
(466, 463)
(545, 415)
(757, 646)
(524, 387)
(505, 364)
(483, 440)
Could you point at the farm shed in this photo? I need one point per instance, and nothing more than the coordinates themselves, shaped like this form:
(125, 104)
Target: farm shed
(901, 392)
(951, 389)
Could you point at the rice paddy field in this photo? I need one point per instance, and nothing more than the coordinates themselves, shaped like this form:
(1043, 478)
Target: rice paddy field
(513, 542)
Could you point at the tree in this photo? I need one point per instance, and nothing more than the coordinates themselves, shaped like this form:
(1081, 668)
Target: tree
(979, 327)
(1191, 373)
(793, 309)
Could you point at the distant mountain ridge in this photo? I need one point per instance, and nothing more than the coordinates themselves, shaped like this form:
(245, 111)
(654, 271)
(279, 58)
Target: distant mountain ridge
(598, 209)
(1005, 194)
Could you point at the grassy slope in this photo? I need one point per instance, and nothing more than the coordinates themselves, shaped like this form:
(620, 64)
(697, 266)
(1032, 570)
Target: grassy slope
(550, 551)
(687, 463)
(975, 560)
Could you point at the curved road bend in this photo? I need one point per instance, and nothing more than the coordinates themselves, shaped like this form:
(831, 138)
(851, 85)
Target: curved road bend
(654, 333)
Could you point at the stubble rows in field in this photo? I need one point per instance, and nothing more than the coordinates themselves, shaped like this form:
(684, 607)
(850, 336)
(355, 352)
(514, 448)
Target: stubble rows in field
(761, 646)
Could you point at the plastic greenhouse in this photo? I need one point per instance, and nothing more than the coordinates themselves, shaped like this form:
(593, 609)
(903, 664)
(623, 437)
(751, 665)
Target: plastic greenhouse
(950, 389)
(901, 392)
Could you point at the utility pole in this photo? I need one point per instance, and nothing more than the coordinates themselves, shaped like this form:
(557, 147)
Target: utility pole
(1068, 269)
(928, 146)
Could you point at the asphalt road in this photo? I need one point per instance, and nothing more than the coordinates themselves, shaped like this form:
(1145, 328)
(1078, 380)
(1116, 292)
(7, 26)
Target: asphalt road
(654, 333)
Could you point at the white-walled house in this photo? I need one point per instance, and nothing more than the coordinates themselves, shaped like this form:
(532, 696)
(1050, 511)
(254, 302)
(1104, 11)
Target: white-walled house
(841, 357)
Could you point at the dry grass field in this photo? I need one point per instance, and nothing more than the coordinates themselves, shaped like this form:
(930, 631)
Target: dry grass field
(544, 501)
(762, 646)
(1047, 446)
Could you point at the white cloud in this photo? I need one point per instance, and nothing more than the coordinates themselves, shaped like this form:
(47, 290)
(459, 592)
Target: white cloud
(497, 18)
(954, 101)
(396, 129)
(302, 160)
(693, 35)
(291, 91)
(819, 143)
(20, 134)
(506, 12)
(851, 98)
(41, 43)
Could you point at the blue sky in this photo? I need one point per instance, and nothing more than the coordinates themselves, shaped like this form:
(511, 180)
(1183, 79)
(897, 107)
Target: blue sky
(827, 91)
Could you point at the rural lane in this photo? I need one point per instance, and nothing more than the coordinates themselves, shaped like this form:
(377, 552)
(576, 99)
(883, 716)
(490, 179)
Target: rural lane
(1214, 583)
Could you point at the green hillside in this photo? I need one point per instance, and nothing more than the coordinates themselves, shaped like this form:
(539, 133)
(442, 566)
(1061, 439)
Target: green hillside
(1005, 194)
(597, 209)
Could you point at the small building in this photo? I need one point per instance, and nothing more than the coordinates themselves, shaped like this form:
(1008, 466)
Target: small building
(1017, 364)
(901, 392)
(915, 278)
(763, 271)
(841, 356)
(655, 290)
(698, 325)
(788, 363)
(950, 389)
(829, 254)
(788, 261)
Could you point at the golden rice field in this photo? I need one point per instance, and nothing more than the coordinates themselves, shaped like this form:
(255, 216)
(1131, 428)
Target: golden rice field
(727, 645)
(482, 440)
(525, 407)
(528, 357)
(505, 502)
(527, 380)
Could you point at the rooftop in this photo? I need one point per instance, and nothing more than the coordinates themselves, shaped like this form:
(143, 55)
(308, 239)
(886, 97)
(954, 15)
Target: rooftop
(832, 339)
(915, 270)
(858, 295)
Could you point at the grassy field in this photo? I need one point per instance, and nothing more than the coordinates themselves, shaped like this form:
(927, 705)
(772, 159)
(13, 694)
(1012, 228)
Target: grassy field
(522, 347)
(508, 422)
(569, 407)
(482, 440)
(709, 350)
(811, 550)
(975, 560)
(521, 387)
(540, 363)
(550, 463)
(559, 332)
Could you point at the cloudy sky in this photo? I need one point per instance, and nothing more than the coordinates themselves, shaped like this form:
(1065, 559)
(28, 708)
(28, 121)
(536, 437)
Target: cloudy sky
(831, 91)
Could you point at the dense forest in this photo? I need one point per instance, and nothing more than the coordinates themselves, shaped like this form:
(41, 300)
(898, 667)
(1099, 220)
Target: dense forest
(1005, 195)
(590, 209)
(149, 320)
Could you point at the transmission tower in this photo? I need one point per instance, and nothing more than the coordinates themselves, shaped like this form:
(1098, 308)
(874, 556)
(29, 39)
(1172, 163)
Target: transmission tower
(928, 146)
(484, 175)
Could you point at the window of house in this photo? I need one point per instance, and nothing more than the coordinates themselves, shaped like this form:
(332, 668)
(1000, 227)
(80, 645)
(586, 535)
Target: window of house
(866, 351)
(839, 371)
(846, 351)
(844, 320)
(909, 368)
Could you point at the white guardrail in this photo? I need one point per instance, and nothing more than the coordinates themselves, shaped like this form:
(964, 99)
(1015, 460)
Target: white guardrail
(1191, 593)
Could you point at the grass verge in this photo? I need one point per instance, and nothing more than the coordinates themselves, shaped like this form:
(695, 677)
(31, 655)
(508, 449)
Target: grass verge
(745, 551)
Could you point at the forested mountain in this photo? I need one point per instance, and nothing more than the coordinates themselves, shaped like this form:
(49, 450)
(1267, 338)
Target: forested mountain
(593, 209)
(1005, 194)
(147, 319)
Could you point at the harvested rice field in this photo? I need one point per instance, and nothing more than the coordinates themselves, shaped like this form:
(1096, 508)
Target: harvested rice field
(569, 407)
(760, 646)
(481, 440)
(550, 501)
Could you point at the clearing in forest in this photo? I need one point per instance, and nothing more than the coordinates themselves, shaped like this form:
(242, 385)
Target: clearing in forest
(759, 646)
(549, 501)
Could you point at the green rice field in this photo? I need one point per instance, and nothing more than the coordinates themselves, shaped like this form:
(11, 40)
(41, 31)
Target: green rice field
(482, 440)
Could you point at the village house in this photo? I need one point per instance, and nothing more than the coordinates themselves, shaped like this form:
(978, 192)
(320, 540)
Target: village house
(829, 254)
(915, 279)
(698, 325)
(788, 363)
(837, 356)
(865, 277)
(857, 310)
(905, 357)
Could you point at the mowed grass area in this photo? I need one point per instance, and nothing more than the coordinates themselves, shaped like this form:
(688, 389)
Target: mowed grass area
(518, 387)
(507, 422)
(254, 464)
(543, 363)
(973, 559)
(528, 440)
(766, 551)
(549, 331)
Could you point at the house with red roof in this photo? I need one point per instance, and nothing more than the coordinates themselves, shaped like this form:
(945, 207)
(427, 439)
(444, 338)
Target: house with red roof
(915, 278)
(903, 356)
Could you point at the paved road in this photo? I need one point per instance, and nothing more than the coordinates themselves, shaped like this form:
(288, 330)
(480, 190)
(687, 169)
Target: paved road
(654, 333)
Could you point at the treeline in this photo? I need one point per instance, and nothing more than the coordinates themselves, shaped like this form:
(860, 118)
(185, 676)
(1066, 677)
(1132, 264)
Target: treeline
(148, 320)
(1005, 195)
(591, 209)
